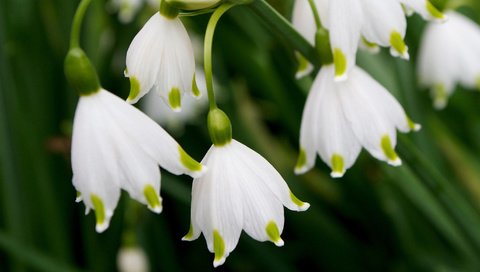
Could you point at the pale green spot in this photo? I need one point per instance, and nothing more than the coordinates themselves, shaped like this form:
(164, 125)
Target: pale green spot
(396, 41)
(175, 99)
(338, 164)
(134, 88)
(188, 161)
(412, 125)
(434, 11)
(99, 209)
(152, 197)
(340, 62)
(189, 235)
(302, 159)
(195, 90)
(369, 44)
(218, 246)
(273, 232)
(440, 96)
(295, 200)
(388, 149)
(303, 63)
(79, 195)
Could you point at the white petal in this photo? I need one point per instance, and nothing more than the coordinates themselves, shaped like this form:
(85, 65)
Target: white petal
(370, 123)
(161, 57)
(303, 20)
(337, 144)
(345, 24)
(424, 8)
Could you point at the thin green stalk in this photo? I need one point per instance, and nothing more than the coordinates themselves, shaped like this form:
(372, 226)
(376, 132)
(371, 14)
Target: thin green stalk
(77, 23)
(212, 23)
(285, 30)
(318, 21)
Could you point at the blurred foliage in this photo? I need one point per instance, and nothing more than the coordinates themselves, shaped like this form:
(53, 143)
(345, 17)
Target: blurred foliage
(423, 216)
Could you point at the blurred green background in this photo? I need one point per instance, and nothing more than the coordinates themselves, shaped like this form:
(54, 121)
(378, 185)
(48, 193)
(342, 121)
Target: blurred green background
(423, 216)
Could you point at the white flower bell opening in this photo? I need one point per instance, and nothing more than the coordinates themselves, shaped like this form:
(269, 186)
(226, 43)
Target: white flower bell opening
(449, 54)
(241, 190)
(115, 146)
(340, 118)
(161, 58)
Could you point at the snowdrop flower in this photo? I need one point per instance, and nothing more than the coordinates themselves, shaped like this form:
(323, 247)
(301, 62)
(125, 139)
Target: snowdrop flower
(341, 117)
(132, 259)
(450, 54)
(241, 190)
(161, 58)
(127, 9)
(374, 22)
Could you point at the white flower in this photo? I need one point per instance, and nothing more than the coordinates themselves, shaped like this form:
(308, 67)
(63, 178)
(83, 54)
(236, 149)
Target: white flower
(374, 22)
(127, 9)
(191, 107)
(115, 146)
(132, 259)
(161, 57)
(241, 190)
(450, 54)
(341, 117)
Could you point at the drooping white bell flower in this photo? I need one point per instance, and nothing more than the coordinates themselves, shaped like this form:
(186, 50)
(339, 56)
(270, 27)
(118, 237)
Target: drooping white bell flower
(372, 22)
(115, 146)
(449, 54)
(240, 191)
(161, 58)
(340, 118)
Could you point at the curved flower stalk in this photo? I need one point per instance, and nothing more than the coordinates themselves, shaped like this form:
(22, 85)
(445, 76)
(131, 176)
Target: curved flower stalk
(115, 146)
(372, 22)
(449, 54)
(340, 118)
(241, 190)
(161, 58)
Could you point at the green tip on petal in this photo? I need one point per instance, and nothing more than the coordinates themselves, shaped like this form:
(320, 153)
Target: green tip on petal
(398, 45)
(79, 197)
(302, 206)
(412, 125)
(188, 162)
(189, 235)
(99, 208)
(434, 12)
(338, 166)
(304, 67)
(153, 199)
(195, 90)
(134, 89)
(440, 96)
(218, 249)
(301, 166)
(370, 46)
(273, 233)
(340, 62)
(392, 157)
(175, 99)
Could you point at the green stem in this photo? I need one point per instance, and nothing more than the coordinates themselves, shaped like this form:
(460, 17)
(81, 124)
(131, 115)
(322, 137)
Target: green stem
(285, 30)
(77, 23)
(313, 6)
(212, 23)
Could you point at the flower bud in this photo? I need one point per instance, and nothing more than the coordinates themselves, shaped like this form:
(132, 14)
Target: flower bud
(192, 4)
(80, 73)
(219, 127)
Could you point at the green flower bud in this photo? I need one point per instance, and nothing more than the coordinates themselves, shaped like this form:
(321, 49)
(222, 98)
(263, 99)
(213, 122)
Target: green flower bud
(322, 43)
(192, 4)
(219, 127)
(80, 73)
